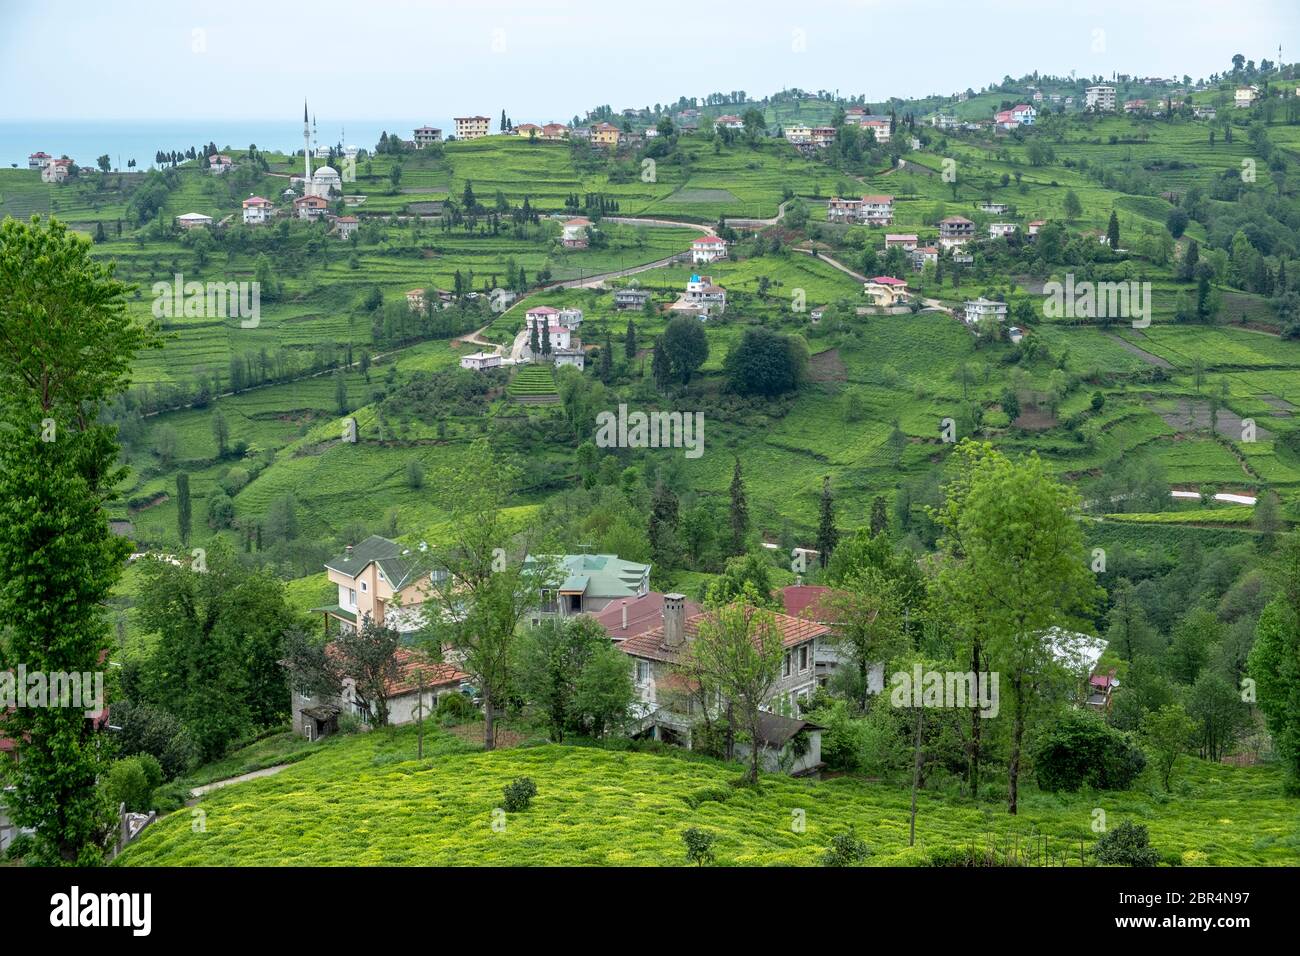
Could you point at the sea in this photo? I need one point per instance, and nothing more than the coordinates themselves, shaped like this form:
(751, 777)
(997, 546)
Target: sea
(84, 141)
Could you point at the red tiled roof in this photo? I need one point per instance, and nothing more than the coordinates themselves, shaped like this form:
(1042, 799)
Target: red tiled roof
(650, 644)
(888, 280)
(877, 199)
(643, 613)
(412, 664)
(801, 598)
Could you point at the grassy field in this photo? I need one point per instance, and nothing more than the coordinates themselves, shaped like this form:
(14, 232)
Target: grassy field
(366, 800)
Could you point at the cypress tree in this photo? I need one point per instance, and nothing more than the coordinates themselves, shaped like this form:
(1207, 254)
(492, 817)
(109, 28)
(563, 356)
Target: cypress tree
(827, 535)
(659, 366)
(1112, 230)
(879, 518)
(183, 506)
(739, 511)
(629, 341)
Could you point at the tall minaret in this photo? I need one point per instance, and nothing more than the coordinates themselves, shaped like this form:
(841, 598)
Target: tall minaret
(306, 144)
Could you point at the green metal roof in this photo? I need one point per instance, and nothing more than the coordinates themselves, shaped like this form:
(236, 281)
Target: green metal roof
(595, 575)
(338, 611)
(400, 565)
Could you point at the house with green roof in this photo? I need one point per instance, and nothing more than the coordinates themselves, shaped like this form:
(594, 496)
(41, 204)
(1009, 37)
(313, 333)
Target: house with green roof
(585, 583)
(381, 579)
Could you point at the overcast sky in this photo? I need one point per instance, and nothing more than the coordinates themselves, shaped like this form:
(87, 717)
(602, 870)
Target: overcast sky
(545, 60)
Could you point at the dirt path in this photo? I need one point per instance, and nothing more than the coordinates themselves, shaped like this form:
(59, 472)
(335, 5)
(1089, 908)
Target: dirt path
(198, 792)
(1144, 355)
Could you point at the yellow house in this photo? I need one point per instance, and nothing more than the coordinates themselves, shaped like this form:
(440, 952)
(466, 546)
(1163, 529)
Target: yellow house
(885, 291)
(379, 579)
(604, 134)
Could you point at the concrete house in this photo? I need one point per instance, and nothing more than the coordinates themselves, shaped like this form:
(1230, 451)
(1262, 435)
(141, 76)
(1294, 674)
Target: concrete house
(976, 310)
(426, 136)
(193, 220)
(668, 704)
(1099, 99)
(631, 298)
(708, 249)
(379, 579)
(629, 617)
(885, 291)
(1244, 97)
(574, 234)
(315, 717)
(346, 226)
(479, 361)
(56, 171)
(955, 231)
(907, 241)
(257, 210)
(472, 127)
(1001, 230)
(585, 583)
(310, 208)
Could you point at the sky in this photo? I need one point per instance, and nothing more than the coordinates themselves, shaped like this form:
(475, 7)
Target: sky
(544, 60)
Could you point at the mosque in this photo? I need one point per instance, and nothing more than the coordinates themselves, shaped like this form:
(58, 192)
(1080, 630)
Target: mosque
(325, 182)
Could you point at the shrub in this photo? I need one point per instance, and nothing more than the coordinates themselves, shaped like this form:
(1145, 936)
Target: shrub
(453, 708)
(1126, 845)
(699, 845)
(147, 730)
(846, 850)
(131, 781)
(1082, 749)
(519, 794)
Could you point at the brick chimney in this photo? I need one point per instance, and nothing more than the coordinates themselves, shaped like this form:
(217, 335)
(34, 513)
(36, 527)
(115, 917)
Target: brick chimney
(624, 615)
(674, 620)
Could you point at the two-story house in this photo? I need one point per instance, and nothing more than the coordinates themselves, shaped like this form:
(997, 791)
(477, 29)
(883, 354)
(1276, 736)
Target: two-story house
(584, 583)
(382, 580)
(668, 703)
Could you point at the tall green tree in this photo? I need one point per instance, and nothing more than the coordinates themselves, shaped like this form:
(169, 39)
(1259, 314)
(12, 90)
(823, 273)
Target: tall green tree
(1112, 230)
(68, 348)
(1015, 569)
(220, 432)
(629, 341)
(685, 346)
(827, 534)
(1274, 662)
(739, 511)
(183, 514)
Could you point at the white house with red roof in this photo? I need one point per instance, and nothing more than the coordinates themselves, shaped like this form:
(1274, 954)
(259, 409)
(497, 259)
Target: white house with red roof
(38, 160)
(257, 210)
(310, 207)
(56, 171)
(879, 129)
(907, 241)
(574, 235)
(346, 226)
(708, 249)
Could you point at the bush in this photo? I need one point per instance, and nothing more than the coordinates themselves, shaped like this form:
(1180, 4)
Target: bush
(846, 850)
(699, 845)
(1126, 845)
(132, 781)
(147, 730)
(1082, 749)
(454, 708)
(519, 794)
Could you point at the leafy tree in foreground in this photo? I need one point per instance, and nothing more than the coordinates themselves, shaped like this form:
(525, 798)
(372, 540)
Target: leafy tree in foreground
(685, 346)
(1170, 733)
(1274, 662)
(69, 344)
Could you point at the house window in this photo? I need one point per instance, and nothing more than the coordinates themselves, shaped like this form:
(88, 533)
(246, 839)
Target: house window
(352, 597)
(785, 665)
(803, 658)
(364, 588)
(642, 672)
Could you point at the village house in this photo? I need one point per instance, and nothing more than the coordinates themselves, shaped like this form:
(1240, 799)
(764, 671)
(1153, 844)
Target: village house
(907, 241)
(885, 291)
(878, 210)
(310, 207)
(380, 580)
(257, 210)
(574, 356)
(528, 131)
(1099, 99)
(478, 361)
(1001, 230)
(411, 694)
(193, 220)
(944, 121)
(38, 160)
(976, 310)
(843, 210)
(346, 226)
(798, 135)
(669, 704)
(1135, 106)
(604, 134)
(1100, 689)
(629, 617)
(923, 255)
(708, 249)
(955, 231)
(551, 334)
(1244, 97)
(219, 163)
(56, 171)
(1035, 226)
(574, 235)
(555, 131)
(705, 297)
(1204, 112)
(584, 583)
(630, 298)
(1015, 334)
(994, 208)
(415, 300)
(426, 136)
(823, 136)
(472, 127)
(879, 129)
(728, 121)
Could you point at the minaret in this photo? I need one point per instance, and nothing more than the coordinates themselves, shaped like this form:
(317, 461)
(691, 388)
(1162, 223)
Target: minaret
(306, 146)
